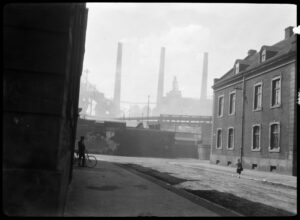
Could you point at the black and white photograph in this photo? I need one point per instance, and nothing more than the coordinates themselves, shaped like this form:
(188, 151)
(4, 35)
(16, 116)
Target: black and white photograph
(150, 109)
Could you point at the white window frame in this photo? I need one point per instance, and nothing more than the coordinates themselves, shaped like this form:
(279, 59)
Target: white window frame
(254, 86)
(232, 138)
(237, 68)
(233, 112)
(219, 129)
(271, 96)
(223, 104)
(264, 55)
(278, 149)
(252, 147)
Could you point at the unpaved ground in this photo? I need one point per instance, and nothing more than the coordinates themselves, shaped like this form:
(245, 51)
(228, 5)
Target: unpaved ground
(271, 189)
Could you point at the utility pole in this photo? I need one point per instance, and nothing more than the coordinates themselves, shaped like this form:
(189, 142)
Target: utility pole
(243, 118)
(148, 108)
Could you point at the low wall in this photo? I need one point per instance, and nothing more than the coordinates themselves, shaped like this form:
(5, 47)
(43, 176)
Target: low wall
(138, 141)
(261, 164)
(144, 143)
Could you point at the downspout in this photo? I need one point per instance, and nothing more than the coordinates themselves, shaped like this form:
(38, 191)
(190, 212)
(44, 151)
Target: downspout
(243, 118)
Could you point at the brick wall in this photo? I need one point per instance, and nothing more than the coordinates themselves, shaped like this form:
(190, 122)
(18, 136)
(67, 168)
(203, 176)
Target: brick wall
(285, 114)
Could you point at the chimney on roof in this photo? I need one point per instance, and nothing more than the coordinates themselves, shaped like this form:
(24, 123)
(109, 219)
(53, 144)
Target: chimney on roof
(251, 52)
(288, 32)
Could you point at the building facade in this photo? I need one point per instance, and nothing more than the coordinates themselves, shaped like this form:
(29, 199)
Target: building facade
(254, 116)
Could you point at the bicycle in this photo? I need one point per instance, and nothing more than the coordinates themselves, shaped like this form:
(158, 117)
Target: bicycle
(90, 160)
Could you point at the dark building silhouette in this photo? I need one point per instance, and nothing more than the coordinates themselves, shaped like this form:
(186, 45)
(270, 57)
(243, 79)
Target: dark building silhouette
(42, 57)
(255, 110)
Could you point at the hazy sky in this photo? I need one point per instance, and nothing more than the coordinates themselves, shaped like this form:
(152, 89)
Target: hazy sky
(225, 31)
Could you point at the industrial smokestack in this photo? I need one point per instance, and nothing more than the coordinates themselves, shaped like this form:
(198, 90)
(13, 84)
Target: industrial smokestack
(204, 77)
(160, 88)
(117, 92)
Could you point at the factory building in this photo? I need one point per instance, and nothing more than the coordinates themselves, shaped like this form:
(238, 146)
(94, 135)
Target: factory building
(174, 103)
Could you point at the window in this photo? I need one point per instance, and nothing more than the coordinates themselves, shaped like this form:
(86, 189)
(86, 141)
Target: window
(255, 138)
(263, 55)
(257, 95)
(232, 103)
(272, 168)
(274, 137)
(230, 143)
(254, 166)
(237, 68)
(276, 92)
(219, 138)
(220, 105)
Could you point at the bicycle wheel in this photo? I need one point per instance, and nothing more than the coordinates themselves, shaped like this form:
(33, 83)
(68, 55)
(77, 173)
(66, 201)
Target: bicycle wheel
(91, 161)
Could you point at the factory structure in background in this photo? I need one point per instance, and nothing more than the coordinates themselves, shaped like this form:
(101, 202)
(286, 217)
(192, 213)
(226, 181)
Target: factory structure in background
(95, 105)
(117, 93)
(173, 103)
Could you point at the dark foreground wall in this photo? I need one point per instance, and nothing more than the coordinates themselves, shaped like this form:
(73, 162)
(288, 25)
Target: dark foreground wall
(43, 55)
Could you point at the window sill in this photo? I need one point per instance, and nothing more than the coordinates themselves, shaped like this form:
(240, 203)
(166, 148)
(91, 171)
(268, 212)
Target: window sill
(274, 151)
(275, 106)
(255, 150)
(219, 148)
(231, 149)
(257, 110)
(232, 114)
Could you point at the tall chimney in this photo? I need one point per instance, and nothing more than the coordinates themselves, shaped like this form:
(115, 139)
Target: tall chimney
(204, 77)
(160, 88)
(117, 92)
(288, 32)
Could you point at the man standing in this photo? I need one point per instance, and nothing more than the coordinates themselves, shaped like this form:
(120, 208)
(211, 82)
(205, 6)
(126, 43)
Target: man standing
(81, 152)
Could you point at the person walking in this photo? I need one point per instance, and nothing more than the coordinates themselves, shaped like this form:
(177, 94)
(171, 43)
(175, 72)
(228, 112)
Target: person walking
(81, 152)
(239, 168)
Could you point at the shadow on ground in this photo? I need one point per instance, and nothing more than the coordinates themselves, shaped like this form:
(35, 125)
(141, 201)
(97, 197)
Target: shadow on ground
(227, 200)
(238, 204)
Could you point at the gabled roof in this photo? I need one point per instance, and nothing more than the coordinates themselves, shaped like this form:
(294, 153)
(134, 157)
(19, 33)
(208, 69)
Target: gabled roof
(253, 60)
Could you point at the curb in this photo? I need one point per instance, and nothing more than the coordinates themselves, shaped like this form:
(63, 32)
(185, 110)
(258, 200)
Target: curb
(243, 176)
(222, 211)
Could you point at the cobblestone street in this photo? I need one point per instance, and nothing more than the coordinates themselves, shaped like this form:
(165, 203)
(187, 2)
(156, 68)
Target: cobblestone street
(279, 191)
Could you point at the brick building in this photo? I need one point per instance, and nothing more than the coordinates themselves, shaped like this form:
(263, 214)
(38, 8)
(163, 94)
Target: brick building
(255, 110)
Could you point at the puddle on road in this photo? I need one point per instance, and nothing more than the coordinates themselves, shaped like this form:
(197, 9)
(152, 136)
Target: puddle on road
(103, 188)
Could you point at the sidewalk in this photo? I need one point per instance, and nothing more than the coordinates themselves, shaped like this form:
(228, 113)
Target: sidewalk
(268, 177)
(109, 190)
